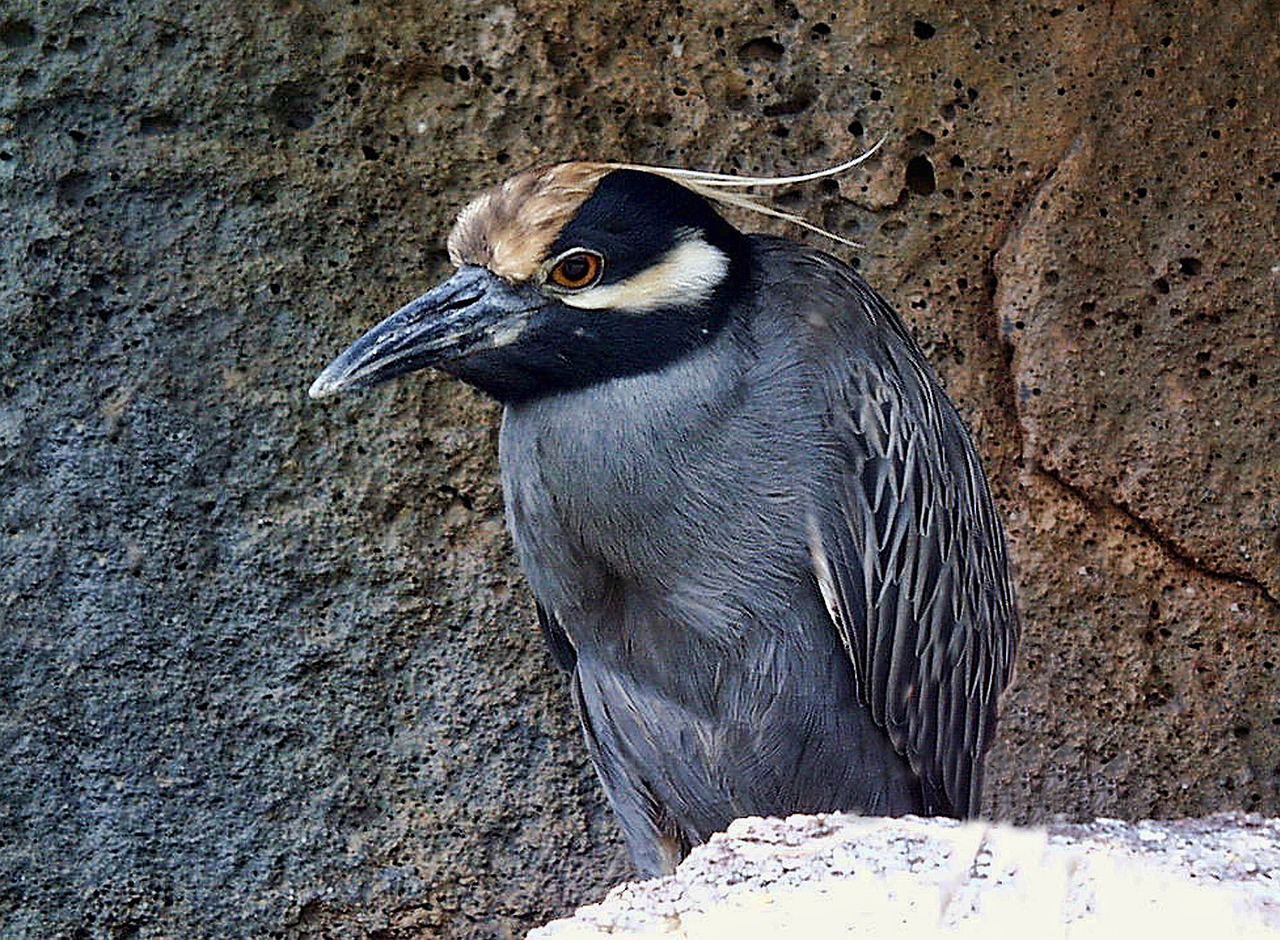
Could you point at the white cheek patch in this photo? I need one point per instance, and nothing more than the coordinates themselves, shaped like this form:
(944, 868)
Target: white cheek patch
(684, 277)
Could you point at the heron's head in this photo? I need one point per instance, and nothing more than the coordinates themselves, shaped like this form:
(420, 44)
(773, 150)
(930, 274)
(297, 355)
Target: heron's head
(565, 276)
(570, 275)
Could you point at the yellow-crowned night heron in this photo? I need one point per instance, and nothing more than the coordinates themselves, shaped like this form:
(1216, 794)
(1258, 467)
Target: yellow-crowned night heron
(757, 532)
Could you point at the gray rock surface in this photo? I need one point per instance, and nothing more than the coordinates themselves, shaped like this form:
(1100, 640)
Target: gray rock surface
(268, 669)
(821, 877)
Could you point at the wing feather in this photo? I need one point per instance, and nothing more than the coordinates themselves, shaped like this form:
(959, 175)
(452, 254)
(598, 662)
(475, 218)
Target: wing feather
(558, 642)
(918, 577)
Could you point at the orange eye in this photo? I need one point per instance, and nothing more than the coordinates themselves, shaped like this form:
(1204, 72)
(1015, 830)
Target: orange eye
(577, 270)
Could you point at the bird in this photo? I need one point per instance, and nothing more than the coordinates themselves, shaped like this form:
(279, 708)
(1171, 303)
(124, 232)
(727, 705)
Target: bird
(758, 535)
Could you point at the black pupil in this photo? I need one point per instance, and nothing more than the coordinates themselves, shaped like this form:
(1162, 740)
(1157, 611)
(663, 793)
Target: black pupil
(576, 268)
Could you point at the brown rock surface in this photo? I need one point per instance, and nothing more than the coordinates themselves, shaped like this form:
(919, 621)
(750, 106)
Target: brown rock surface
(269, 669)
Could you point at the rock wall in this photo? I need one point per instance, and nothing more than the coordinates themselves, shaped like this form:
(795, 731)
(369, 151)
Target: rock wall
(268, 668)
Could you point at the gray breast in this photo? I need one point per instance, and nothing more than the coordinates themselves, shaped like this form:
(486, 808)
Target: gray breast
(685, 484)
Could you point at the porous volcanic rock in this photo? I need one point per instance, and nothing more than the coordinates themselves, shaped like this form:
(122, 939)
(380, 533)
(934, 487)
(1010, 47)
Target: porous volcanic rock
(268, 668)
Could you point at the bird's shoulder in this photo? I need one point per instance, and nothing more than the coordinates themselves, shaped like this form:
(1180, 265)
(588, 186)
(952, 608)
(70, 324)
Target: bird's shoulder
(826, 302)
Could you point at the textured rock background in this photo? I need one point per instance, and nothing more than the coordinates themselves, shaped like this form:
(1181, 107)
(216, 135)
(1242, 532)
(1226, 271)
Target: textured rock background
(268, 668)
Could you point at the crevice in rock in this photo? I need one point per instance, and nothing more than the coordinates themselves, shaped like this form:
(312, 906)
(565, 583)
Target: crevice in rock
(1102, 506)
(1005, 384)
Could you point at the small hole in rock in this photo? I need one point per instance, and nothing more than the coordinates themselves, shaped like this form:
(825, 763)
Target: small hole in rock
(762, 48)
(920, 178)
(14, 33)
(920, 139)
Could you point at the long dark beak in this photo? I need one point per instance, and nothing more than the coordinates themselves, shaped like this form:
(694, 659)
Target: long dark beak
(473, 310)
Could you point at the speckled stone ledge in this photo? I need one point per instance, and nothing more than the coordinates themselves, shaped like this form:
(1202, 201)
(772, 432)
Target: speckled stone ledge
(846, 876)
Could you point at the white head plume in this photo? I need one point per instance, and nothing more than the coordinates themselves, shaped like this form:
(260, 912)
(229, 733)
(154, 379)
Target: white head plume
(719, 187)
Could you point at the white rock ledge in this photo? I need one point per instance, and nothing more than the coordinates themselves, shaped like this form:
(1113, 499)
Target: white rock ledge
(817, 877)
